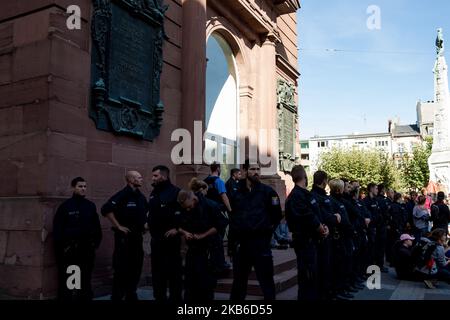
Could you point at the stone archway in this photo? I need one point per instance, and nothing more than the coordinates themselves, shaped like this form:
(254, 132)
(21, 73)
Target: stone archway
(223, 34)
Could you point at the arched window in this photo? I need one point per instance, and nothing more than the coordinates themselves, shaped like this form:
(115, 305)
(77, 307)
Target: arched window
(222, 102)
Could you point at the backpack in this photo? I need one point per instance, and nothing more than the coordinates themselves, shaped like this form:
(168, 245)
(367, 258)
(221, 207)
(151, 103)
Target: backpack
(423, 256)
(213, 193)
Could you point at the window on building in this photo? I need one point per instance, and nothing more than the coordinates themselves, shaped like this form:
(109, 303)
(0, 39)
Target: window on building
(401, 147)
(222, 102)
(305, 156)
(304, 145)
(322, 144)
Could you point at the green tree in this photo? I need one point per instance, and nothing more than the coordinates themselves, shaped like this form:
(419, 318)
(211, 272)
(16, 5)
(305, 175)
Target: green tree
(364, 166)
(416, 173)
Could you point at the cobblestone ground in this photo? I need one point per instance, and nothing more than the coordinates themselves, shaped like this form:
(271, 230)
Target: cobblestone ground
(391, 289)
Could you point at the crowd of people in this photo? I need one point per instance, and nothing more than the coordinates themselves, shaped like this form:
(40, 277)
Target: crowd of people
(335, 229)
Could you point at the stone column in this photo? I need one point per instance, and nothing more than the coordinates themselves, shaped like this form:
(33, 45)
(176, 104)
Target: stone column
(268, 99)
(193, 81)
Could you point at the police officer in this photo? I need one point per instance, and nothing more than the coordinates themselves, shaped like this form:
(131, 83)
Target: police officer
(256, 214)
(232, 184)
(342, 240)
(361, 224)
(371, 204)
(164, 219)
(127, 211)
(330, 219)
(396, 225)
(201, 221)
(77, 234)
(303, 218)
(384, 204)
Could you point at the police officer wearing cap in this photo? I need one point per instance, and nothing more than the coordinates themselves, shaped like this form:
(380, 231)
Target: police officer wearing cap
(256, 214)
(127, 211)
(76, 234)
(303, 218)
(163, 222)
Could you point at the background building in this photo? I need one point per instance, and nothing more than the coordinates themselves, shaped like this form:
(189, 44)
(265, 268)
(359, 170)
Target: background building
(397, 142)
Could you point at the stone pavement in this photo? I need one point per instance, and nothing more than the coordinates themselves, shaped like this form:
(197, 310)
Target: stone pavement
(391, 289)
(394, 289)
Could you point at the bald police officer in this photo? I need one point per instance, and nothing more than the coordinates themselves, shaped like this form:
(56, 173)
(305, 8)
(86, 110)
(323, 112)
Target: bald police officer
(127, 211)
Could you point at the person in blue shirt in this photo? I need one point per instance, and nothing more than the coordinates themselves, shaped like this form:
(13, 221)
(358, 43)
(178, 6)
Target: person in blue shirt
(217, 192)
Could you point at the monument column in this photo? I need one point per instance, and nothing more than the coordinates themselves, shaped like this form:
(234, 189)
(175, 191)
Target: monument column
(439, 161)
(193, 83)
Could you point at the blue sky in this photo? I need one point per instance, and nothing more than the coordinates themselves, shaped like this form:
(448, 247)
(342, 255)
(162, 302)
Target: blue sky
(345, 92)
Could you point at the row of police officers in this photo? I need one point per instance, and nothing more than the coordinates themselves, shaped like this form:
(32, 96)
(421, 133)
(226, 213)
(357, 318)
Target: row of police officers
(171, 216)
(336, 236)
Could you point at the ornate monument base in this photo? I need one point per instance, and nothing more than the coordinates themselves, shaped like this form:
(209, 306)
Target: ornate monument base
(439, 164)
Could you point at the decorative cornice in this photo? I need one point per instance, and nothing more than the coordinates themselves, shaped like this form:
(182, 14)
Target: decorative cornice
(286, 6)
(287, 67)
(251, 18)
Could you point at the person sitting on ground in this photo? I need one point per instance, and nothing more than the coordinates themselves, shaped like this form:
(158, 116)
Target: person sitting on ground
(281, 237)
(439, 236)
(403, 258)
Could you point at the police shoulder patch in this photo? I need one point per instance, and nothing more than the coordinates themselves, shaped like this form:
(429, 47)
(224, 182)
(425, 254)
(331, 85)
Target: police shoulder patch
(275, 201)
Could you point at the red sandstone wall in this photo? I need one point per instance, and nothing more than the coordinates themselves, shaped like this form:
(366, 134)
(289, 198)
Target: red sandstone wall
(46, 136)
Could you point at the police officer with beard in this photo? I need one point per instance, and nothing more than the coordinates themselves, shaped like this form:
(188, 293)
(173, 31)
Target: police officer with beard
(330, 219)
(163, 222)
(256, 214)
(76, 234)
(303, 218)
(127, 211)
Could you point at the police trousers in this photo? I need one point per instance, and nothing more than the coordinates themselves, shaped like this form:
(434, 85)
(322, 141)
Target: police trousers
(199, 279)
(252, 251)
(128, 257)
(307, 266)
(166, 269)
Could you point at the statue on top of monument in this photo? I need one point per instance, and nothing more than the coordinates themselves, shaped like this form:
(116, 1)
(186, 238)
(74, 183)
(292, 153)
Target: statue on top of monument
(440, 43)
